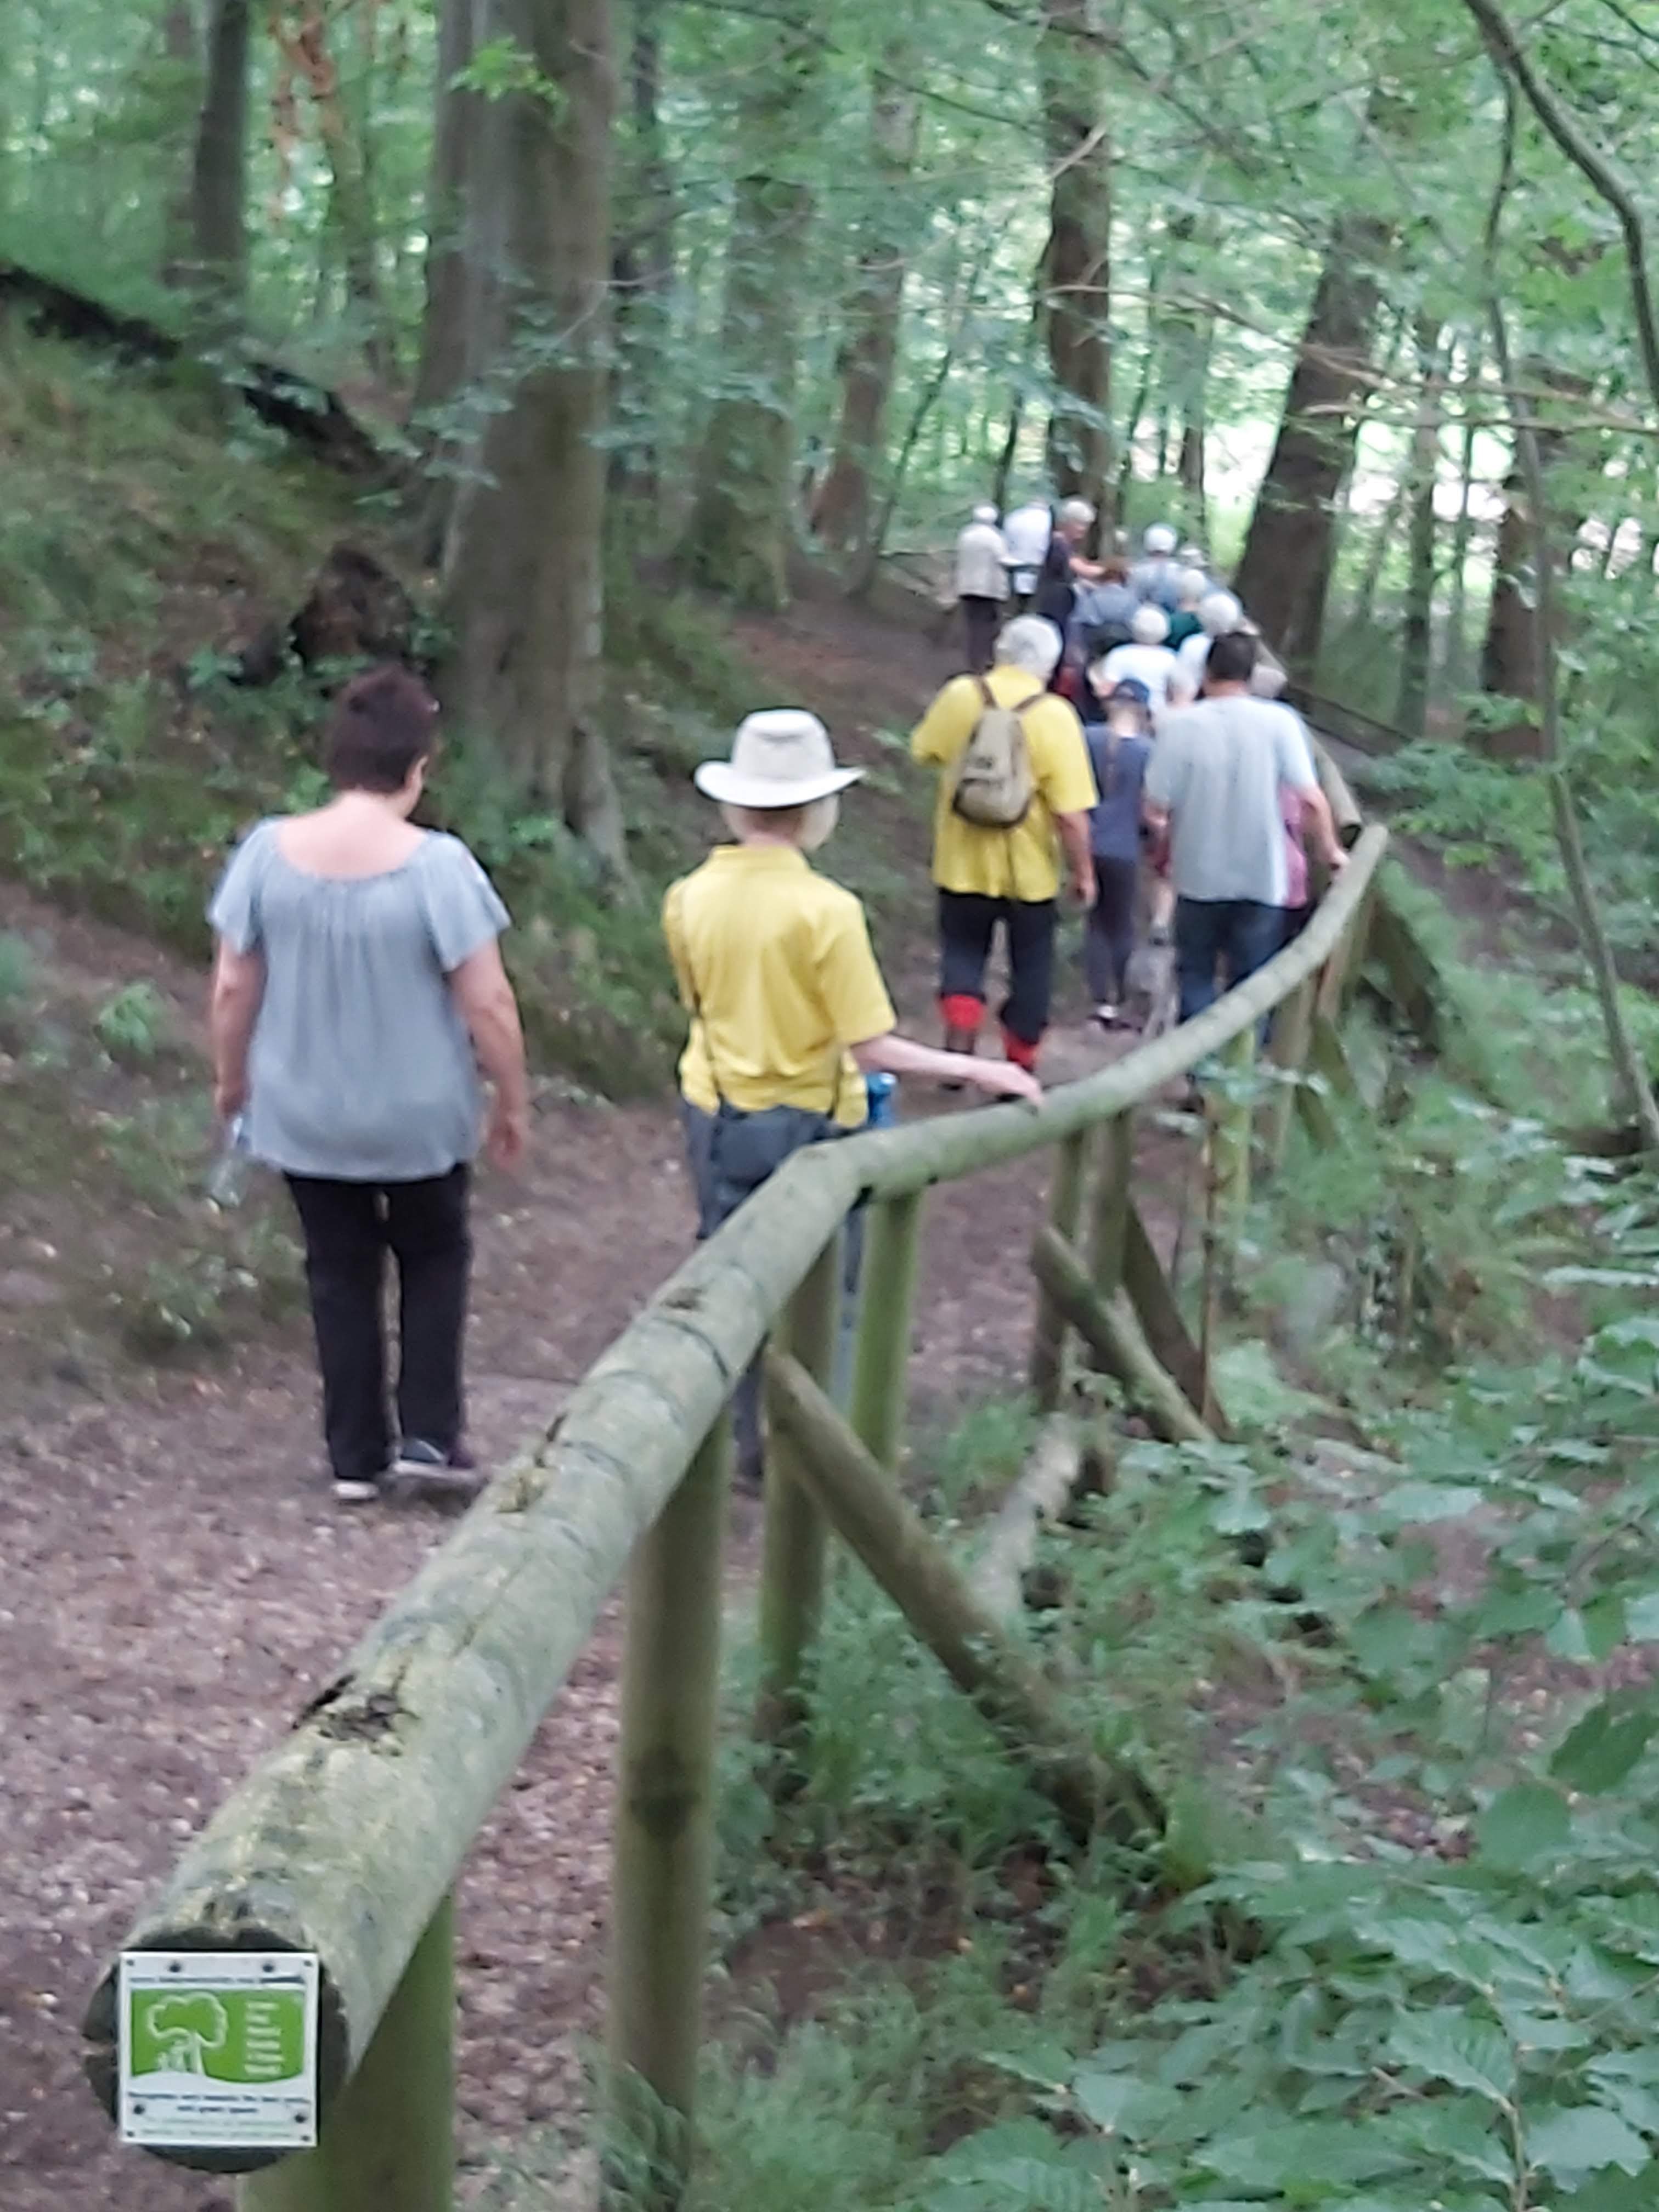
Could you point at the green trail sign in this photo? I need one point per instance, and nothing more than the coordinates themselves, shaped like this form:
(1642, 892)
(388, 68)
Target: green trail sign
(218, 2049)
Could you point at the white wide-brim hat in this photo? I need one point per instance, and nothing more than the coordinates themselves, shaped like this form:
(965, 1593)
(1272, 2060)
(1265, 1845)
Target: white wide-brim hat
(780, 757)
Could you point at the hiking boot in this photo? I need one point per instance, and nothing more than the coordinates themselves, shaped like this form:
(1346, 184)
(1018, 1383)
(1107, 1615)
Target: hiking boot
(430, 1462)
(353, 1490)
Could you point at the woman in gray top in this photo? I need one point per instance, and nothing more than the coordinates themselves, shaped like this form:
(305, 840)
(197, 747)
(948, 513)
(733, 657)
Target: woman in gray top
(358, 989)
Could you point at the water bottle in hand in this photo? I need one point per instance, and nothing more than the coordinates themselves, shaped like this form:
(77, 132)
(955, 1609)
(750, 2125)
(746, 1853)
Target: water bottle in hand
(881, 1091)
(227, 1180)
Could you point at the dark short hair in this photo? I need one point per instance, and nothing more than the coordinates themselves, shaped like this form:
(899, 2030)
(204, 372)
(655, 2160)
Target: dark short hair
(383, 722)
(1113, 571)
(1232, 658)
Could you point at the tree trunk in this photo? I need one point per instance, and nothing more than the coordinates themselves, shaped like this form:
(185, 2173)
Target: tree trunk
(218, 199)
(305, 54)
(444, 362)
(644, 257)
(181, 51)
(739, 533)
(1510, 658)
(522, 569)
(840, 516)
(1284, 575)
(1072, 75)
(1417, 636)
(1457, 639)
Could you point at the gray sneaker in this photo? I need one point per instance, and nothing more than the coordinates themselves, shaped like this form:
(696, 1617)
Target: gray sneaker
(430, 1462)
(349, 1491)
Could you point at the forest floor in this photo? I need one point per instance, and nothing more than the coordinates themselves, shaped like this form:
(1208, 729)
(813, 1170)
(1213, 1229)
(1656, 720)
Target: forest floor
(177, 1579)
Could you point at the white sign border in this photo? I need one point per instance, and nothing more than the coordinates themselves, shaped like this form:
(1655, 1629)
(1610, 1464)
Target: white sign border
(210, 1969)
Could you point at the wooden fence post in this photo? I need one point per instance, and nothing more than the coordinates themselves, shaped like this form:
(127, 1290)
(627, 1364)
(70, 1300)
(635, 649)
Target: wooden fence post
(663, 1846)
(1065, 1207)
(795, 1543)
(1288, 1051)
(1109, 1212)
(881, 1361)
(388, 2140)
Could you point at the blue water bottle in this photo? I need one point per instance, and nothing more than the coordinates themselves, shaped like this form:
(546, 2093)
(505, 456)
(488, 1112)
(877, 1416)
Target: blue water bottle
(881, 1095)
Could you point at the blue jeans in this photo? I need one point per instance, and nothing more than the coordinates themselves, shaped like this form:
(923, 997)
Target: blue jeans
(1239, 934)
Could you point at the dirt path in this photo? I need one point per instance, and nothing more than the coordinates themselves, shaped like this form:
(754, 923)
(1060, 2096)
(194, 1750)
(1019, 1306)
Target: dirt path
(175, 1580)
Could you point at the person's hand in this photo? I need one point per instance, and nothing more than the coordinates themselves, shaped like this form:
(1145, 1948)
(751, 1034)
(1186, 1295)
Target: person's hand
(1004, 1080)
(229, 1095)
(1085, 891)
(508, 1134)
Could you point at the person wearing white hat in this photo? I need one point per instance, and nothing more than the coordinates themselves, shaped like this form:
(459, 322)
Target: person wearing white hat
(1219, 615)
(1156, 579)
(1008, 875)
(982, 562)
(1027, 531)
(788, 1009)
(1145, 660)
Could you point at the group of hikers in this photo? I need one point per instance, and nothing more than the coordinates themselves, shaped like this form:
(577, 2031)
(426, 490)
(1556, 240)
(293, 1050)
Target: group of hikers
(359, 991)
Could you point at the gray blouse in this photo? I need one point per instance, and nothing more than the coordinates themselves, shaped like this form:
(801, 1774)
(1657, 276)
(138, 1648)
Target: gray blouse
(360, 1066)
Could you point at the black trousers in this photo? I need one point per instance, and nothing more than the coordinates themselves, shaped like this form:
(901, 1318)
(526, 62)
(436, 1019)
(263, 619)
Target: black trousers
(1110, 938)
(967, 923)
(349, 1229)
(982, 618)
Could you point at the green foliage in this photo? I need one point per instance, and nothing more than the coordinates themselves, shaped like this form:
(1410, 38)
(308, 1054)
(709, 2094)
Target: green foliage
(131, 1025)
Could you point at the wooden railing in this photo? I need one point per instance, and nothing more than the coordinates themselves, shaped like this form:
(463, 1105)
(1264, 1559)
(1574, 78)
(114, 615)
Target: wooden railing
(346, 1839)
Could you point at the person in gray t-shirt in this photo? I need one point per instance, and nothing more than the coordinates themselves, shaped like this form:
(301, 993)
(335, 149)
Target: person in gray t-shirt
(358, 987)
(1214, 782)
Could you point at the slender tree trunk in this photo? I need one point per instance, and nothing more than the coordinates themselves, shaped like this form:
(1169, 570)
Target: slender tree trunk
(1416, 635)
(522, 571)
(869, 353)
(305, 54)
(444, 363)
(181, 50)
(739, 533)
(1511, 658)
(1457, 636)
(1377, 560)
(218, 200)
(1072, 75)
(1284, 575)
(1005, 467)
(645, 257)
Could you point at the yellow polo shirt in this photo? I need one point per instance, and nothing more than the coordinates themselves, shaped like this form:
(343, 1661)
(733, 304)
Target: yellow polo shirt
(1024, 862)
(775, 968)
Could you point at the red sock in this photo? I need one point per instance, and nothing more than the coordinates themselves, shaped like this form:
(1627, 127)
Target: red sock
(1022, 1055)
(961, 1011)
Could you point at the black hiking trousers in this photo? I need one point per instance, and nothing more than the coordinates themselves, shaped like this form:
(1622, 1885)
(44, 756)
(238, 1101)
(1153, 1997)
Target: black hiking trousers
(349, 1229)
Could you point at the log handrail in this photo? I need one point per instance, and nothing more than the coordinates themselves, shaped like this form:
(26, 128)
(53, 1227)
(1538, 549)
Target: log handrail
(346, 1838)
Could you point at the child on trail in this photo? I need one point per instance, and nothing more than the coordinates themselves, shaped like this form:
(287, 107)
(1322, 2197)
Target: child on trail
(788, 1009)
(1119, 750)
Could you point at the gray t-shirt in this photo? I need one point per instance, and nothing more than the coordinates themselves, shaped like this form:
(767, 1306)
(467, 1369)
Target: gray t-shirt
(360, 1066)
(1217, 768)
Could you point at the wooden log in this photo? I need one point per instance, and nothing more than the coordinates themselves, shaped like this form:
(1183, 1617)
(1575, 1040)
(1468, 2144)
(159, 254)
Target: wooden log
(1287, 1049)
(390, 2141)
(346, 1836)
(1411, 982)
(1109, 1211)
(1113, 1335)
(1046, 1482)
(662, 1869)
(1064, 1205)
(1345, 808)
(881, 1363)
(976, 1651)
(1161, 1323)
(794, 1541)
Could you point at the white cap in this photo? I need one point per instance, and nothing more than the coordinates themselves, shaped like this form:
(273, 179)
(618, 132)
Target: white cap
(985, 513)
(1220, 612)
(780, 757)
(1149, 625)
(1077, 511)
(1160, 538)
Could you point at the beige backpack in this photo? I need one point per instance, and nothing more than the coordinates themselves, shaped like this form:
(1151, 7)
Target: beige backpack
(994, 784)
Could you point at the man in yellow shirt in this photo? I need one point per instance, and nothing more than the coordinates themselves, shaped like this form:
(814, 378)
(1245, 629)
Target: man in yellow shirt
(788, 1009)
(1008, 875)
